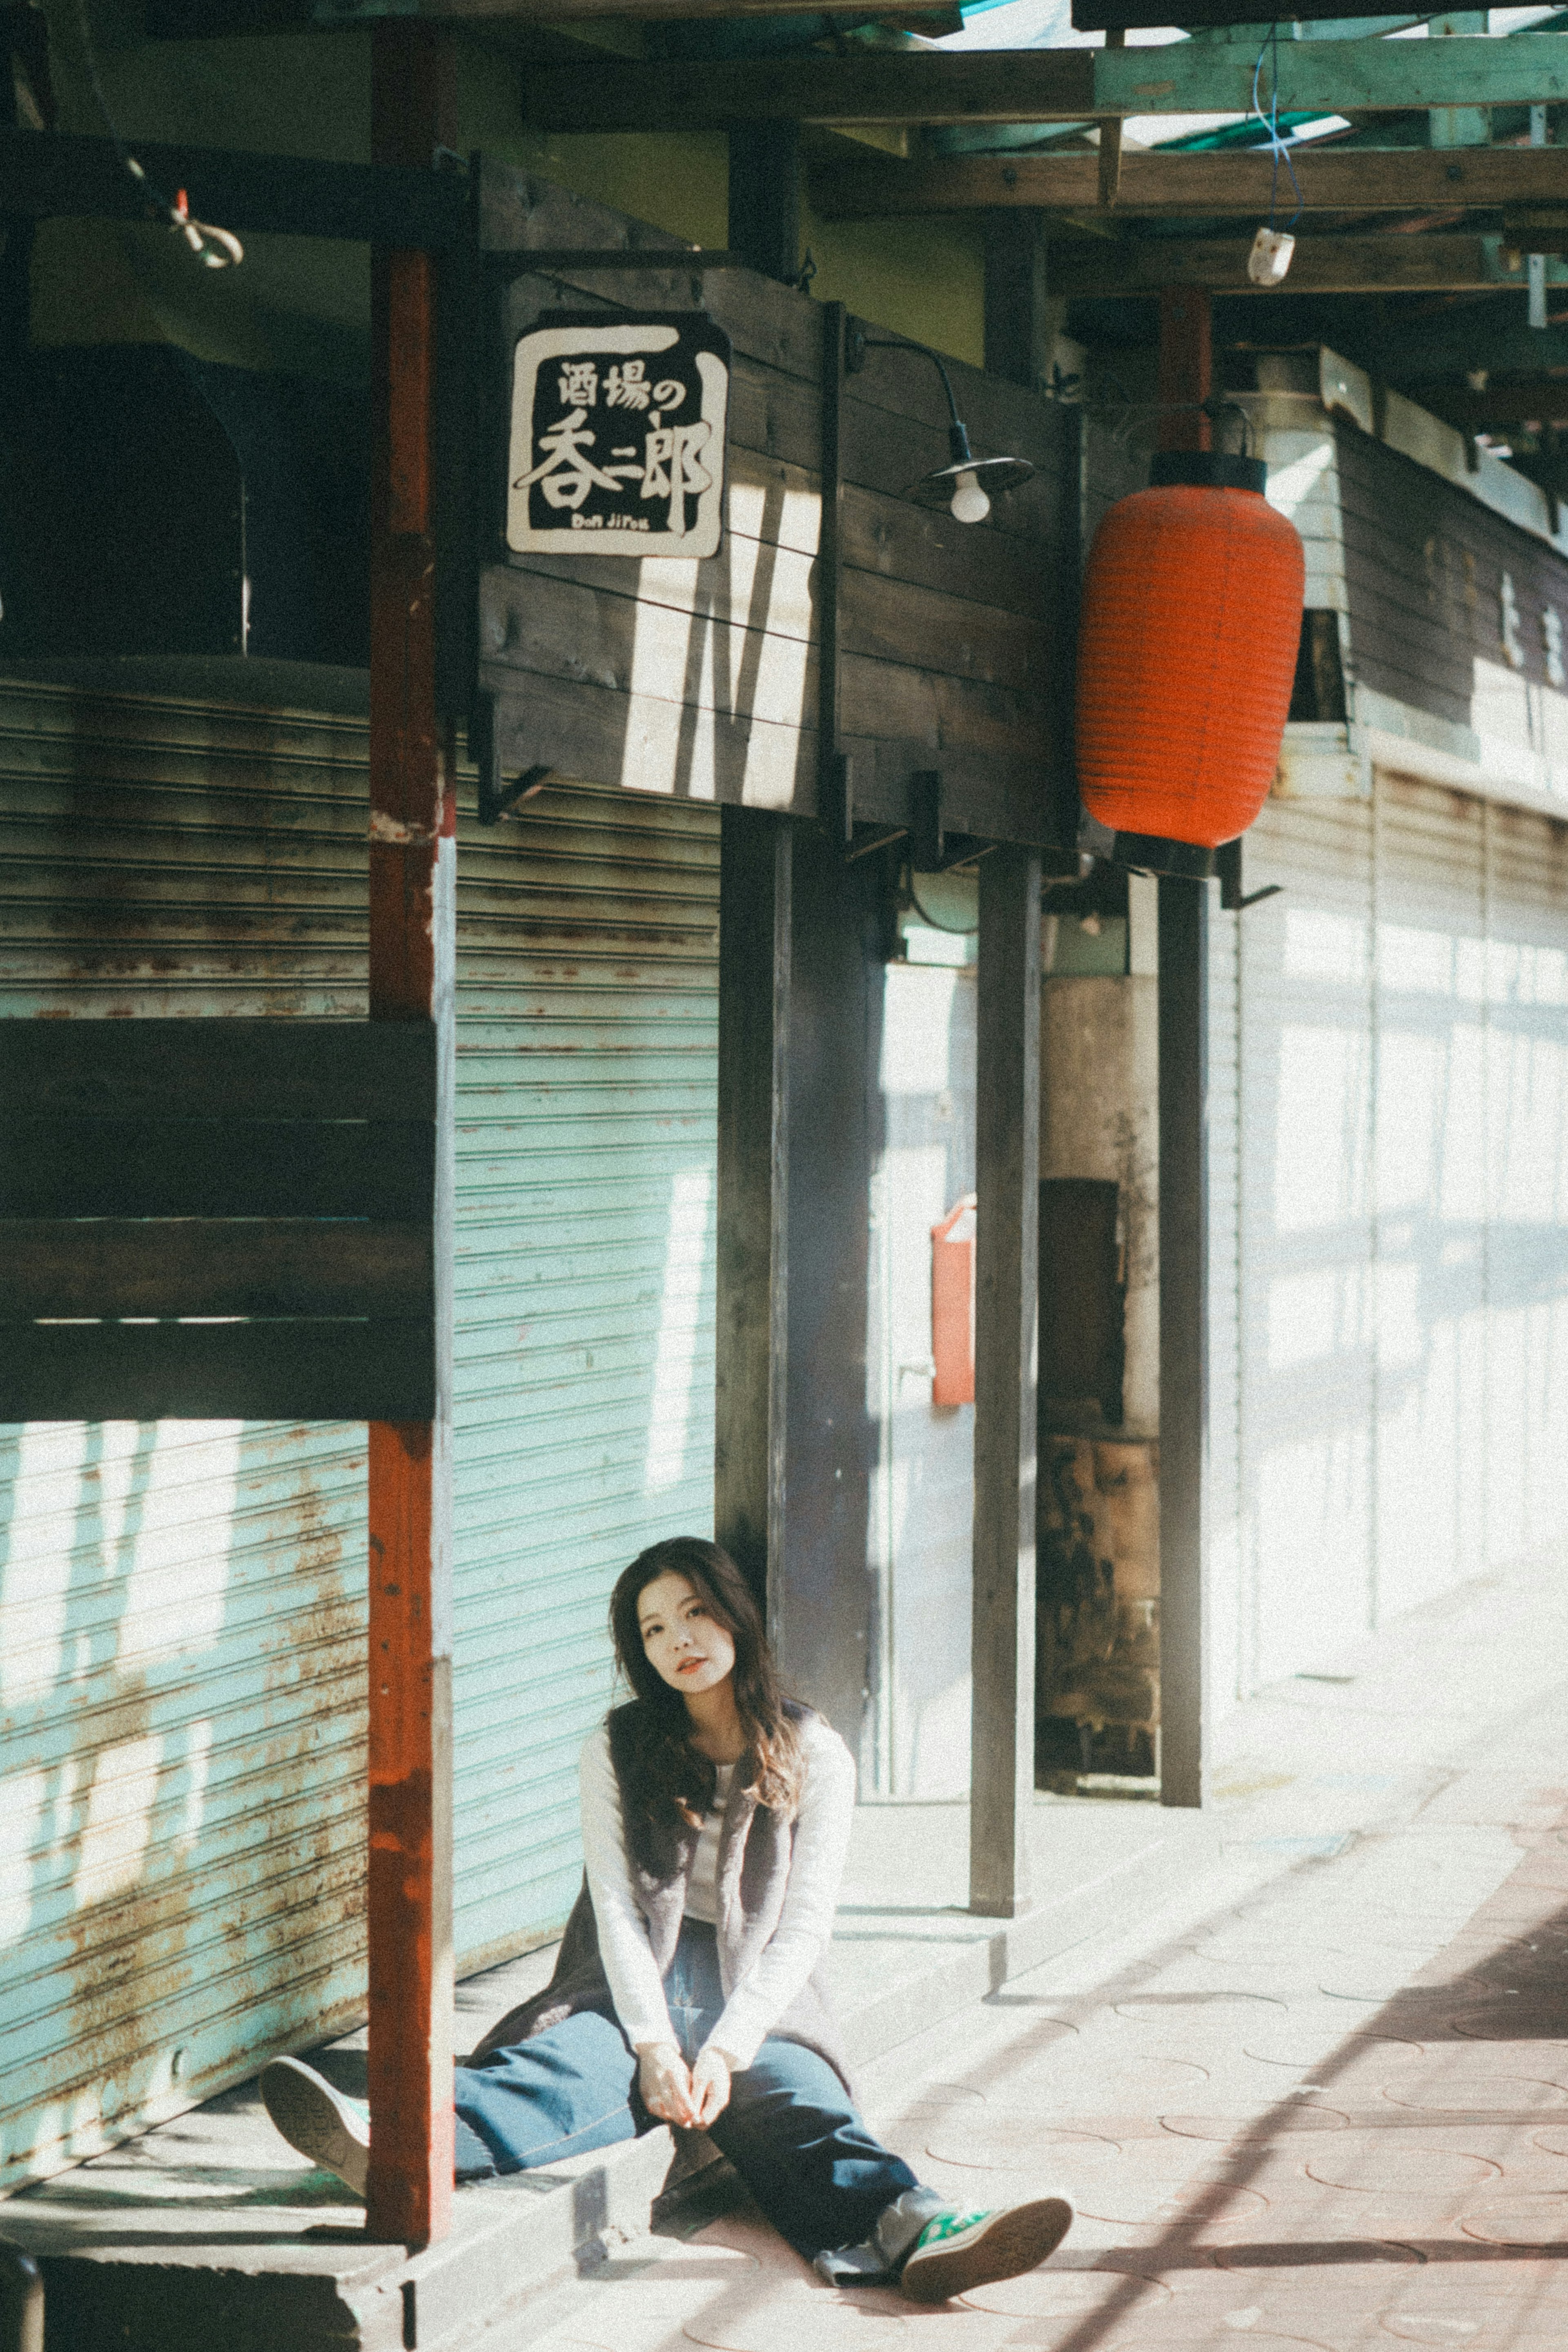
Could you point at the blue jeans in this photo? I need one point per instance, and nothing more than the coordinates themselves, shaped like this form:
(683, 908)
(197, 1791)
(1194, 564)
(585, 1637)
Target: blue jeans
(789, 2130)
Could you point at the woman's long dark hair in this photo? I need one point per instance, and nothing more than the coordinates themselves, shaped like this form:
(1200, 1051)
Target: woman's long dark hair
(675, 1781)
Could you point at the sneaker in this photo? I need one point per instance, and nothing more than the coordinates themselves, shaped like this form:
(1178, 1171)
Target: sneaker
(332, 2129)
(960, 2251)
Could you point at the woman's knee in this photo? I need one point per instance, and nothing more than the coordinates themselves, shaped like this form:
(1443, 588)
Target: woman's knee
(789, 2070)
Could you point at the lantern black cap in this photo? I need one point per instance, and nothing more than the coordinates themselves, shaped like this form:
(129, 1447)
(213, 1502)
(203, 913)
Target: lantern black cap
(1205, 469)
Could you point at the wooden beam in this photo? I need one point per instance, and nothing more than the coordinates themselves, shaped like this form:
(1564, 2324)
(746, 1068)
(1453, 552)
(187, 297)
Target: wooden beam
(755, 864)
(967, 86)
(1187, 369)
(64, 1167)
(867, 186)
(1323, 265)
(198, 19)
(1184, 1336)
(765, 198)
(1018, 322)
(1008, 1188)
(937, 86)
(228, 1266)
(66, 176)
(1541, 228)
(315, 1370)
(413, 878)
(228, 1069)
(1542, 402)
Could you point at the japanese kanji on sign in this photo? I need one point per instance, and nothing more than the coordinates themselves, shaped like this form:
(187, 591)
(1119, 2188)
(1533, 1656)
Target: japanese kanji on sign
(617, 434)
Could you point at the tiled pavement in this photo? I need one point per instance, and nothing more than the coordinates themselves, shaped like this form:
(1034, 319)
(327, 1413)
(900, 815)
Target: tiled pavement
(1321, 2101)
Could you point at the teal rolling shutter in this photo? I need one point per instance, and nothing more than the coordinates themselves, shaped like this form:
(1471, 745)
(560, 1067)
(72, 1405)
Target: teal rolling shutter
(180, 1604)
(587, 1043)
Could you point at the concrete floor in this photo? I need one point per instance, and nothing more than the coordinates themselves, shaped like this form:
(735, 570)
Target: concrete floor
(1318, 2098)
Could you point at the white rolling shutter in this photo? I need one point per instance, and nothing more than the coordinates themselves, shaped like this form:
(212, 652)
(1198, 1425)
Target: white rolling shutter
(1307, 1403)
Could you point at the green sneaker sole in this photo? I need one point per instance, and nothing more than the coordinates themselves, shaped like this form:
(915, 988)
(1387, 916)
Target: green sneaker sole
(1002, 2246)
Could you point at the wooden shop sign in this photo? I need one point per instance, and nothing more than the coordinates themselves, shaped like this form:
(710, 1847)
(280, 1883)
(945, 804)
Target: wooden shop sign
(617, 434)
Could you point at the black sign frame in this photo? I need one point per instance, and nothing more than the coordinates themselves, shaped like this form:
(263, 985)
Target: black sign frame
(597, 462)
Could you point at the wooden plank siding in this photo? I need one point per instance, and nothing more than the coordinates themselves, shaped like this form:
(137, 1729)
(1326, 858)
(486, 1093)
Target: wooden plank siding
(699, 680)
(1425, 571)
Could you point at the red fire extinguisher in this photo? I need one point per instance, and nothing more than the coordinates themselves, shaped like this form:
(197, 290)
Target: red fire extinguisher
(953, 1306)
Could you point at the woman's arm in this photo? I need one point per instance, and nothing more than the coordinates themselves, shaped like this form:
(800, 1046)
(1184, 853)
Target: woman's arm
(811, 1899)
(630, 1968)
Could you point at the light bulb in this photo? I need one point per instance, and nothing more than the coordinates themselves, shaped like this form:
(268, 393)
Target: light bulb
(970, 503)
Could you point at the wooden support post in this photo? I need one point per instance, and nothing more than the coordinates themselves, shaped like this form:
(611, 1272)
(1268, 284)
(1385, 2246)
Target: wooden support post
(1109, 174)
(765, 198)
(1183, 1333)
(1007, 1189)
(1186, 368)
(755, 863)
(413, 853)
(1019, 325)
(822, 1598)
(1186, 374)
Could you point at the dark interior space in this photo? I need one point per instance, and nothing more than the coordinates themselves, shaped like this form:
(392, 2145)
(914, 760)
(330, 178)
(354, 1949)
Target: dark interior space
(1081, 1297)
(152, 504)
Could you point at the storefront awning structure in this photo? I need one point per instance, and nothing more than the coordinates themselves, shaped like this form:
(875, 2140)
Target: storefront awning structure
(1156, 224)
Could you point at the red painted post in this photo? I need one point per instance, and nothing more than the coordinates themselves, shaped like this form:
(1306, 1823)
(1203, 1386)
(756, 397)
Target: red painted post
(1186, 367)
(413, 853)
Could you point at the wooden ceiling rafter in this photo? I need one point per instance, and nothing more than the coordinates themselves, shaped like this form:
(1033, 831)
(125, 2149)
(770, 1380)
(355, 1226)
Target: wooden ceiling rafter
(1213, 184)
(939, 85)
(1100, 268)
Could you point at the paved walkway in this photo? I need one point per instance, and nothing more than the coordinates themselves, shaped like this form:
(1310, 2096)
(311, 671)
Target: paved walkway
(1320, 2100)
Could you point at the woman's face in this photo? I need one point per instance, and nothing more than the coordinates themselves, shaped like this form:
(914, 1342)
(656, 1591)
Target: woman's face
(685, 1644)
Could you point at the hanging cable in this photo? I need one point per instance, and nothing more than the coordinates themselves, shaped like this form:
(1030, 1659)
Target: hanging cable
(1272, 248)
(1278, 148)
(216, 248)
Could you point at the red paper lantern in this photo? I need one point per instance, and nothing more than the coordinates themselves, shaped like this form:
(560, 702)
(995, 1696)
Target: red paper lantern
(1191, 622)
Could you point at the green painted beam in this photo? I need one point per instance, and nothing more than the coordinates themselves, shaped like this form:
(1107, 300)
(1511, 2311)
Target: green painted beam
(943, 86)
(1336, 76)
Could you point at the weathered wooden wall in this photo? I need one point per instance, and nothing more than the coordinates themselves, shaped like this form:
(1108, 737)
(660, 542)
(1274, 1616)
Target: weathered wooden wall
(699, 680)
(1447, 602)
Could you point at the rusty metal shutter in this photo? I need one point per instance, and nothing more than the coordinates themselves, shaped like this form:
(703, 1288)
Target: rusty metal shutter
(182, 1605)
(1307, 1396)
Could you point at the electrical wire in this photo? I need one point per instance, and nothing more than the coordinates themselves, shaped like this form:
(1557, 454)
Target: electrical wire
(216, 248)
(1211, 408)
(1278, 147)
(906, 343)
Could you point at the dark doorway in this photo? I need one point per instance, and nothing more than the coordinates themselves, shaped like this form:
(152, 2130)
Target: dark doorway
(1081, 1303)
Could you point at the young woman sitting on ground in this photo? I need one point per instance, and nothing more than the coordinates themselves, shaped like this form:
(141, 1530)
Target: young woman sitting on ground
(687, 1988)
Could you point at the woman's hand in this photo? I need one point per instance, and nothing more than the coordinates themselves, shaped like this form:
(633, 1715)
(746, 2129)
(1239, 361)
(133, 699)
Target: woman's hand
(710, 2084)
(665, 2085)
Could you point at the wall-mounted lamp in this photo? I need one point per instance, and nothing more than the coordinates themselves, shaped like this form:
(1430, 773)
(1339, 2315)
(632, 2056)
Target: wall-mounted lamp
(966, 485)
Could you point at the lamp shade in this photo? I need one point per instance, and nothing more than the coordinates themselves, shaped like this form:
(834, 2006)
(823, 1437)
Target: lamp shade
(1187, 645)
